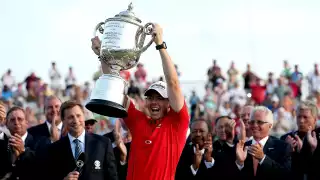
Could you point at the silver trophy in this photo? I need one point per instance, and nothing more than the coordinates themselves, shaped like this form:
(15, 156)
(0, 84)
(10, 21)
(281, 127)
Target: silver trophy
(122, 44)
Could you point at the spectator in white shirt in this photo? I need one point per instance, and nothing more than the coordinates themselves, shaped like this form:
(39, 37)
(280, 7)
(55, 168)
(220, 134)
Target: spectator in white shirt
(238, 95)
(8, 80)
(55, 78)
(70, 81)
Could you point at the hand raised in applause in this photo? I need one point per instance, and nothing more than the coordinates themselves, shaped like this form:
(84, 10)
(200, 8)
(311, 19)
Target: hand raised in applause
(197, 158)
(241, 152)
(17, 145)
(208, 148)
(312, 139)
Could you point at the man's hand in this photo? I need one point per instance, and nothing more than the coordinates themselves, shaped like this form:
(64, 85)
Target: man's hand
(74, 175)
(243, 134)
(17, 144)
(54, 130)
(157, 32)
(123, 151)
(96, 45)
(64, 131)
(197, 158)
(208, 148)
(241, 153)
(230, 130)
(312, 139)
(256, 151)
(292, 141)
(120, 144)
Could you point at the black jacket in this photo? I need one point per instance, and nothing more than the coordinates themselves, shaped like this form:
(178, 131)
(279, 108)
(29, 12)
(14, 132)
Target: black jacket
(100, 163)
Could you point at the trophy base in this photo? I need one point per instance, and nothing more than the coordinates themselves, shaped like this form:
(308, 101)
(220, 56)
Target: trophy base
(107, 97)
(106, 108)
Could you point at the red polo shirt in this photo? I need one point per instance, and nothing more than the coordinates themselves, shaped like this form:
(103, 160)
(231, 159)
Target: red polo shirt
(155, 150)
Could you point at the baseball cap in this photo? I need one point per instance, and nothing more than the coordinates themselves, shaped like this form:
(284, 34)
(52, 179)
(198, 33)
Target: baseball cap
(160, 87)
(90, 121)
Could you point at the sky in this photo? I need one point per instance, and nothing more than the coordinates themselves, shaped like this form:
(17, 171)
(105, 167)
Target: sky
(260, 32)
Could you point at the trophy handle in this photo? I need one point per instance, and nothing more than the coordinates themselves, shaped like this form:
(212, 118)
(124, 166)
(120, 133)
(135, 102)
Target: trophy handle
(98, 28)
(147, 30)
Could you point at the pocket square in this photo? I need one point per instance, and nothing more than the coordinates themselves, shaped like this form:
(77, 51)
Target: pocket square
(270, 149)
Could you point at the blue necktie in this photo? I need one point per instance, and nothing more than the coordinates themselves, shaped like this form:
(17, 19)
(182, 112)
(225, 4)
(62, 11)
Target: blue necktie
(77, 149)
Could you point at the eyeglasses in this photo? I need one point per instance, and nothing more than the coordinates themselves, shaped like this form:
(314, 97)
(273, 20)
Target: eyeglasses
(260, 123)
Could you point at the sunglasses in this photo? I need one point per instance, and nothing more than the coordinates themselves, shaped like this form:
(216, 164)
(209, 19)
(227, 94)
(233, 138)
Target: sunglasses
(260, 123)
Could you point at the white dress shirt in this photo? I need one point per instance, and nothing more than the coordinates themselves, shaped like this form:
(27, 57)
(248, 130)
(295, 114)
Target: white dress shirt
(262, 142)
(24, 137)
(208, 164)
(1, 135)
(4, 131)
(59, 127)
(81, 138)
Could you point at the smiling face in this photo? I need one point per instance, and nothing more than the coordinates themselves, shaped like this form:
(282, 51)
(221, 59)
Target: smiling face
(199, 133)
(157, 105)
(74, 120)
(258, 124)
(245, 116)
(221, 128)
(52, 108)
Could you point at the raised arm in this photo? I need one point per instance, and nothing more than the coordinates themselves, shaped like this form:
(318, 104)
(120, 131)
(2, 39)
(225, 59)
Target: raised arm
(175, 95)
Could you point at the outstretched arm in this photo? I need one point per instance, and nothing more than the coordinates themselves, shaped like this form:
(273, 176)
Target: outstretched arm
(175, 95)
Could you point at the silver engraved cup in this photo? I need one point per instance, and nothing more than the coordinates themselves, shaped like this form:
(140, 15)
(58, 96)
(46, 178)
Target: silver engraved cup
(122, 43)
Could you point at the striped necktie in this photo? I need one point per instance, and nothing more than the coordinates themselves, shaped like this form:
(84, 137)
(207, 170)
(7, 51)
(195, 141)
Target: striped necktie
(77, 149)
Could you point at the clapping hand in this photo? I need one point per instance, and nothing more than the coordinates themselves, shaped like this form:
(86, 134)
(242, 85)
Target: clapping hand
(295, 142)
(54, 129)
(241, 152)
(243, 134)
(208, 148)
(17, 144)
(197, 158)
(230, 131)
(122, 147)
(312, 139)
(256, 151)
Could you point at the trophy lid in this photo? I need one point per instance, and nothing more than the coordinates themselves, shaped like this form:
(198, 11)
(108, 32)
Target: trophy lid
(128, 14)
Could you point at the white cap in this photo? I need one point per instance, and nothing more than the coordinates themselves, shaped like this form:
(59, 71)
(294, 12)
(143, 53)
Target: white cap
(275, 98)
(160, 87)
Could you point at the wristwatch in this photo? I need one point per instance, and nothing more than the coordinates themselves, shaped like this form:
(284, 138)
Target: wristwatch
(161, 46)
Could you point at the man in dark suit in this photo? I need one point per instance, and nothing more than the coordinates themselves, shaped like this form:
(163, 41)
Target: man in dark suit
(264, 157)
(314, 159)
(224, 149)
(196, 158)
(52, 128)
(16, 149)
(304, 143)
(120, 149)
(99, 161)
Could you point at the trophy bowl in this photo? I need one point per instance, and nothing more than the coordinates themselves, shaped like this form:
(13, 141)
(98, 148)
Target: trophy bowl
(122, 44)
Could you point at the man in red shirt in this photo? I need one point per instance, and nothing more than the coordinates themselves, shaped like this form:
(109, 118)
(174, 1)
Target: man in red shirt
(159, 137)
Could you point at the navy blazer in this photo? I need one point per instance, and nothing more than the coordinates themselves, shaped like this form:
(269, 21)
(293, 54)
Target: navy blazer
(276, 165)
(40, 130)
(100, 161)
(24, 164)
